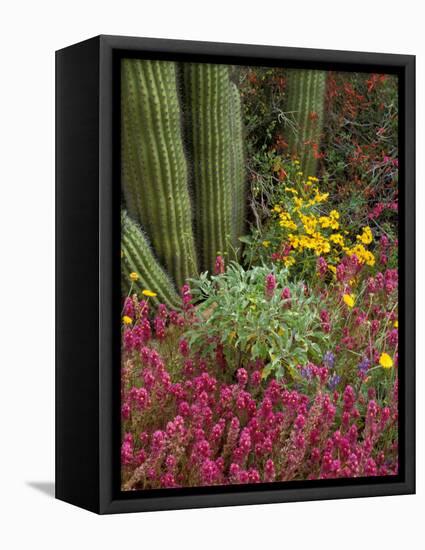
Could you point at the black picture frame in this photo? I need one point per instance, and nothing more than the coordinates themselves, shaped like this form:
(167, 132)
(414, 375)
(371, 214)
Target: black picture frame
(87, 271)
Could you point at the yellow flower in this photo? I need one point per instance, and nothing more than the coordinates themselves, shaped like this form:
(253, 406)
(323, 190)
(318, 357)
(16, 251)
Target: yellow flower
(385, 361)
(149, 293)
(285, 220)
(281, 331)
(294, 241)
(266, 243)
(366, 236)
(133, 276)
(298, 202)
(277, 208)
(288, 261)
(396, 324)
(370, 258)
(330, 221)
(332, 268)
(309, 223)
(364, 256)
(349, 299)
(337, 238)
(320, 244)
(325, 221)
(127, 320)
(321, 197)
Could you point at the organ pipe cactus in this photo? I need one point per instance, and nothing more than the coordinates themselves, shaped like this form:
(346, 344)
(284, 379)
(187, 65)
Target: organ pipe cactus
(154, 169)
(137, 257)
(305, 102)
(215, 137)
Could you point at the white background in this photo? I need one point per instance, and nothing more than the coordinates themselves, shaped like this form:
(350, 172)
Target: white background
(30, 31)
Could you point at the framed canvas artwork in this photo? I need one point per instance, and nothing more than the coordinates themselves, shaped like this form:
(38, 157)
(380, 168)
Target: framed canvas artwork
(235, 274)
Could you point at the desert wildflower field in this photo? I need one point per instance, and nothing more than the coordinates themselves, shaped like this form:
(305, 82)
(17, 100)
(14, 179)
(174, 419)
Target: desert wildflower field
(259, 274)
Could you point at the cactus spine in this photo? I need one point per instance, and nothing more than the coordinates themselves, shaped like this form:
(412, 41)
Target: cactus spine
(305, 102)
(154, 170)
(137, 256)
(216, 142)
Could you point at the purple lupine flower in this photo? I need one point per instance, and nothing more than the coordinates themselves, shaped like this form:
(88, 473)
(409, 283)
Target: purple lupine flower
(333, 382)
(363, 366)
(306, 372)
(329, 360)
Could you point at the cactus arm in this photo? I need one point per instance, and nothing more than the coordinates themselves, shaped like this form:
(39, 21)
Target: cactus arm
(305, 102)
(154, 170)
(217, 185)
(137, 256)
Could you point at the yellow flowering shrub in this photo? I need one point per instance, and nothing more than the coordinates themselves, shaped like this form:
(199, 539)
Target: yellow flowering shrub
(309, 229)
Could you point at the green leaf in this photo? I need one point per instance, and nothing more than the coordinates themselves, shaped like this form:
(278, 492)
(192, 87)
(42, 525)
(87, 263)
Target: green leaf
(267, 370)
(245, 239)
(317, 351)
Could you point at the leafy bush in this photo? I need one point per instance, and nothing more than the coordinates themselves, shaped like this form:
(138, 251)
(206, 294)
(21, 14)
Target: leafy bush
(258, 314)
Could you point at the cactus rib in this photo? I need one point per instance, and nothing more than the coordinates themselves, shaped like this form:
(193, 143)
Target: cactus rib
(238, 166)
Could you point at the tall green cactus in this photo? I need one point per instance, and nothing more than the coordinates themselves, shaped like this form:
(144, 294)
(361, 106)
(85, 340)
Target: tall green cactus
(305, 102)
(154, 170)
(215, 138)
(137, 256)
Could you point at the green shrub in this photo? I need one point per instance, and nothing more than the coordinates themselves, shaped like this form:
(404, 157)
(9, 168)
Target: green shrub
(239, 310)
